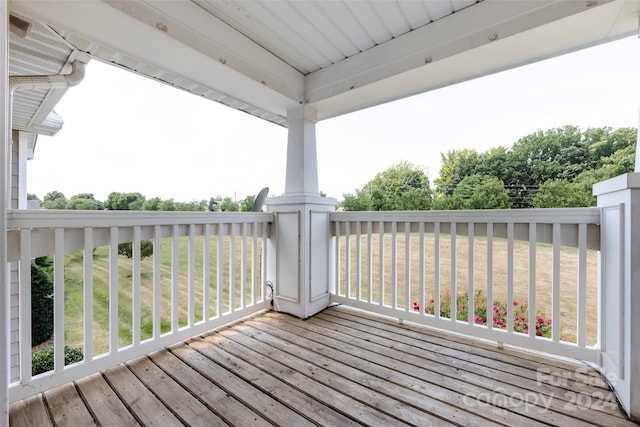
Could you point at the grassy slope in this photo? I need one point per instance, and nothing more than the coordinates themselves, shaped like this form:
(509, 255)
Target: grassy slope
(74, 291)
(74, 283)
(568, 275)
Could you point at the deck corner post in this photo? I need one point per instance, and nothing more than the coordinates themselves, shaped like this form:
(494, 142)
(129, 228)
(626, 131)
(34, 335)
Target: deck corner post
(300, 250)
(4, 205)
(619, 290)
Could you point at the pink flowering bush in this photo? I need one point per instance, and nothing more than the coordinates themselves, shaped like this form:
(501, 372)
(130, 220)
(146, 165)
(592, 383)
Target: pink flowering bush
(520, 313)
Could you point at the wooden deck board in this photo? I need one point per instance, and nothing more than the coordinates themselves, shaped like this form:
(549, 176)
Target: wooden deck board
(303, 403)
(30, 412)
(67, 407)
(146, 407)
(103, 402)
(184, 405)
(341, 367)
(226, 406)
(462, 377)
(478, 359)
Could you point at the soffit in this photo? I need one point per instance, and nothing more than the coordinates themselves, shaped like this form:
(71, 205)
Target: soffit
(266, 57)
(37, 51)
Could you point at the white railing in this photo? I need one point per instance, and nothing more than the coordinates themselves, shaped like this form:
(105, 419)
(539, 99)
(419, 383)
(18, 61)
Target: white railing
(167, 298)
(516, 268)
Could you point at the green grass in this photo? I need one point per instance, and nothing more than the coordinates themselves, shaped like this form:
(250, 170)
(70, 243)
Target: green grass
(543, 282)
(74, 284)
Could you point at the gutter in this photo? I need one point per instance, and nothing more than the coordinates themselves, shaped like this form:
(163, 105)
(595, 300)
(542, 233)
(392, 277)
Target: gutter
(56, 81)
(49, 82)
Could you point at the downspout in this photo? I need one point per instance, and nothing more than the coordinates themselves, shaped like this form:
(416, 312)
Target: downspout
(17, 83)
(39, 82)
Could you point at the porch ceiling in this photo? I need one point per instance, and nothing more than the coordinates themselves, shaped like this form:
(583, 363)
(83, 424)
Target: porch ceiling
(337, 57)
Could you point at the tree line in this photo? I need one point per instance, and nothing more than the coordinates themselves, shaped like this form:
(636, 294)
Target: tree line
(553, 168)
(137, 202)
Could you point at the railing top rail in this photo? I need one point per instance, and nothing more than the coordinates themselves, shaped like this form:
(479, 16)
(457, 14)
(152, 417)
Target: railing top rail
(539, 216)
(45, 218)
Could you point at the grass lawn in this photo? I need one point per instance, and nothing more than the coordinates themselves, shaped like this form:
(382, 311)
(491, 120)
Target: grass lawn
(568, 282)
(74, 321)
(543, 280)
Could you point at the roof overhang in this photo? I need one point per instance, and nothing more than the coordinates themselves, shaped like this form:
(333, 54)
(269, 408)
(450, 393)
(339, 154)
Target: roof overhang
(35, 50)
(246, 62)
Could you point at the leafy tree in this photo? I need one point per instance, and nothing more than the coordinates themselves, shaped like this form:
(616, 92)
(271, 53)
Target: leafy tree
(191, 206)
(54, 200)
(31, 196)
(563, 194)
(246, 204)
(84, 201)
(167, 205)
(228, 205)
(356, 202)
(124, 201)
(152, 204)
(455, 166)
(480, 192)
(400, 187)
(556, 154)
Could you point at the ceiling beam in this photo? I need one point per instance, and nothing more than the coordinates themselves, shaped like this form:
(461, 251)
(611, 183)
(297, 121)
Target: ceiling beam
(488, 37)
(158, 33)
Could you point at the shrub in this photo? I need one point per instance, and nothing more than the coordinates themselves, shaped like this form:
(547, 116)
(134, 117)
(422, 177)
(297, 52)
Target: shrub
(46, 263)
(520, 313)
(43, 360)
(41, 305)
(146, 249)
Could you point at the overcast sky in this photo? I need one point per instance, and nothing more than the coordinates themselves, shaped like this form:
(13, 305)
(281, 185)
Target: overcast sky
(127, 133)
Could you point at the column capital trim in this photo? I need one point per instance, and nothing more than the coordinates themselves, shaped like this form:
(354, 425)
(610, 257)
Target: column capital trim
(305, 112)
(627, 181)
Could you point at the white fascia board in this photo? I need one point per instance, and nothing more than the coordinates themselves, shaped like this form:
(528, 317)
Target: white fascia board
(489, 37)
(195, 27)
(166, 43)
(43, 113)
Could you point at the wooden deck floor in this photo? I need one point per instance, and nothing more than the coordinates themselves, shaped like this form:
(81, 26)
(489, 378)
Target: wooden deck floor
(341, 367)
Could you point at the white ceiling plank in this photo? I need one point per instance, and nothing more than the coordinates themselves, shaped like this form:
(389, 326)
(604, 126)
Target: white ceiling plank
(329, 39)
(337, 56)
(299, 31)
(246, 18)
(263, 26)
(597, 25)
(334, 33)
(211, 36)
(415, 12)
(462, 31)
(339, 13)
(439, 9)
(394, 20)
(370, 21)
(102, 23)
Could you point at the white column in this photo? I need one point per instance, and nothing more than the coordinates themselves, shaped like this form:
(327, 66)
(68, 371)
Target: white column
(619, 200)
(5, 109)
(20, 174)
(302, 161)
(300, 249)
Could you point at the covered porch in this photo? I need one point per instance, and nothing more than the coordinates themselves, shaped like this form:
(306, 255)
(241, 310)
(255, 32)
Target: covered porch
(340, 367)
(395, 359)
